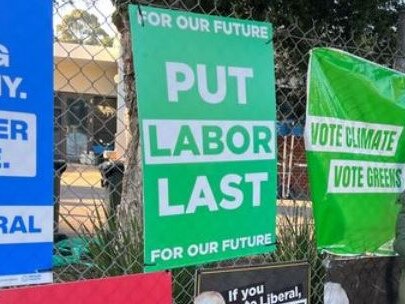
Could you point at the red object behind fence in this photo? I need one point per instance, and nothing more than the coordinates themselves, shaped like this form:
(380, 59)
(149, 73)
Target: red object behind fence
(155, 288)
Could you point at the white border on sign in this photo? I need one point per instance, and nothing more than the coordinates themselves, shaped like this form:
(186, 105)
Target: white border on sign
(26, 279)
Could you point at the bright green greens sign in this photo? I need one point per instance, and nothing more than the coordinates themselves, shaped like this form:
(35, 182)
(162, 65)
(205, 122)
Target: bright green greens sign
(206, 97)
(355, 150)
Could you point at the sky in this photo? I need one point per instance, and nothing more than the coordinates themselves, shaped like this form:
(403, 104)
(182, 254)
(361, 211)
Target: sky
(103, 9)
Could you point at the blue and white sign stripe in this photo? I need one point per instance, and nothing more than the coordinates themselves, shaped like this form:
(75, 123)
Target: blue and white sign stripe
(26, 142)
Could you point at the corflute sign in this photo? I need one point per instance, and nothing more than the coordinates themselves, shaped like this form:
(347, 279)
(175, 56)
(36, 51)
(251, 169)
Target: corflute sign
(270, 284)
(26, 120)
(149, 288)
(206, 97)
(355, 150)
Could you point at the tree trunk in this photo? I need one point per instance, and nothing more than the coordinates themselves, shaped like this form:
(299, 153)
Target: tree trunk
(131, 201)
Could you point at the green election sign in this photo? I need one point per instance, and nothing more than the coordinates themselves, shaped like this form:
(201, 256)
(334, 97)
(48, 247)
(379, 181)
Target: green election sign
(206, 96)
(355, 150)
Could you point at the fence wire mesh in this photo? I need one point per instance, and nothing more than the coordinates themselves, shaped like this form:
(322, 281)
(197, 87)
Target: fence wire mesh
(95, 119)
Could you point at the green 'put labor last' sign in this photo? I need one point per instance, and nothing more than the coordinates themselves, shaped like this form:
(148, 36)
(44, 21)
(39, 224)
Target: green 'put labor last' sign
(206, 98)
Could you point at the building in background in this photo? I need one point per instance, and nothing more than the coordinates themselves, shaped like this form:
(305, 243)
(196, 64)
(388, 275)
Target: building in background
(85, 100)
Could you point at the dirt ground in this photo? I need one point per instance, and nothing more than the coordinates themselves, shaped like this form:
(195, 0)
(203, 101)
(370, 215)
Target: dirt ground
(80, 194)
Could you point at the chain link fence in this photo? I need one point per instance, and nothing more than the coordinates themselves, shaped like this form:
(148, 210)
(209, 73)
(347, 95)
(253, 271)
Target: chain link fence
(92, 124)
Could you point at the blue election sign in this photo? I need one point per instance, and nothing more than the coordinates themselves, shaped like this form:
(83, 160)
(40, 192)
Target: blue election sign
(26, 142)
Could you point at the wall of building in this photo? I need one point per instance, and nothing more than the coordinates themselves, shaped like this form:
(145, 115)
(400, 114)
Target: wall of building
(87, 78)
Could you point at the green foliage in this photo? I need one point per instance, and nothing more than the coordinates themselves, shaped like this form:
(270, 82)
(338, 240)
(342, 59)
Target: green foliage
(296, 242)
(113, 246)
(334, 16)
(80, 26)
(183, 285)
